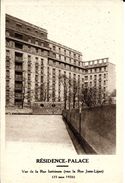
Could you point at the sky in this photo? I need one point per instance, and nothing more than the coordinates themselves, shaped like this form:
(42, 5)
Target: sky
(92, 27)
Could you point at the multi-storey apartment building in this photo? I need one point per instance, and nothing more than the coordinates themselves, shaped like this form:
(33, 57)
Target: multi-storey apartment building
(100, 74)
(35, 66)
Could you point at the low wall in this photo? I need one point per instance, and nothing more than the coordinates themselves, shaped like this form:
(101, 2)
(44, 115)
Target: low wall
(47, 108)
(15, 110)
(96, 127)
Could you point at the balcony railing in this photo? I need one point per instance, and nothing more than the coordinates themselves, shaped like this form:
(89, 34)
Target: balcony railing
(18, 59)
(18, 96)
(29, 43)
(64, 62)
(18, 87)
(19, 69)
(7, 58)
(18, 78)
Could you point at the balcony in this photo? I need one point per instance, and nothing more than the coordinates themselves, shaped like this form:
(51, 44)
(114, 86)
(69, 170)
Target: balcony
(7, 64)
(19, 88)
(7, 67)
(45, 46)
(7, 58)
(19, 78)
(18, 59)
(18, 68)
(63, 62)
(19, 97)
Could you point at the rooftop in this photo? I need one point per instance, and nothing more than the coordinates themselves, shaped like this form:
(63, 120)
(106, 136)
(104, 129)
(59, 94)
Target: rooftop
(26, 23)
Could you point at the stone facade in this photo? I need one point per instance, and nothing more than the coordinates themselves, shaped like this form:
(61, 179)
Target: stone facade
(35, 64)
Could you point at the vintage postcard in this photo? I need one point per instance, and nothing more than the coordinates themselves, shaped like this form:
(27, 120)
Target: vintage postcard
(61, 78)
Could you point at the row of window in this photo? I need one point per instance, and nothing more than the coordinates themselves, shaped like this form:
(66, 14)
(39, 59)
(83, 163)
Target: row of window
(86, 84)
(38, 88)
(100, 76)
(18, 78)
(48, 86)
(99, 69)
(64, 51)
(7, 81)
(36, 60)
(61, 73)
(66, 59)
(29, 80)
(53, 84)
(65, 66)
(34, 50)
(25, 28)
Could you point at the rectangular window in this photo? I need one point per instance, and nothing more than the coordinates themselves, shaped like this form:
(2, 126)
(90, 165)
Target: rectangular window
(41, 61)
(86, 71)
(86, 77)
(86, 84)
(104, 68)
(59, 50)
(8, 53)
(54, 48)
(29, 58)
(104, 82)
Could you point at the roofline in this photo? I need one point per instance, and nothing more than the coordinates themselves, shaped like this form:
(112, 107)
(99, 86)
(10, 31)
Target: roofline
(101, 59)
(27, 23)
(96, 59)
(66, 47)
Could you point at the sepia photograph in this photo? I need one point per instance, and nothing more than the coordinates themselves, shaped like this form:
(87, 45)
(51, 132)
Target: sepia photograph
(61, 59)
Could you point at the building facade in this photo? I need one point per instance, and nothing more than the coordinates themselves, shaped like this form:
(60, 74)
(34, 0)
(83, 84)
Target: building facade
(37, 68)
(100, 74)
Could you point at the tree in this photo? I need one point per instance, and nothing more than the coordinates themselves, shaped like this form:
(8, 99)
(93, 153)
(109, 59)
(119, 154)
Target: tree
(111, 99)
(74, 92)
(93, 96)
(71, 91)
(113, 94)
(88, 96)
(65, 81)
